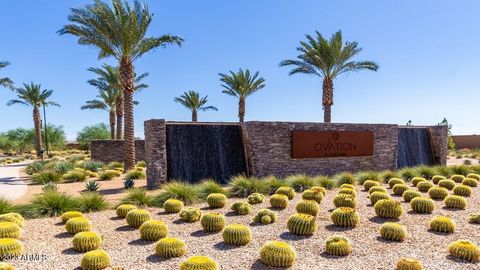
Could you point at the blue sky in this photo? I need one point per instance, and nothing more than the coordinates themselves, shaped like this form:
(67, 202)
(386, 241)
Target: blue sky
(427, 51)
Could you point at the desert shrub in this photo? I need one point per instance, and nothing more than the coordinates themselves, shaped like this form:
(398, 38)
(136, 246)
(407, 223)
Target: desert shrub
(465, 250)
(35, 167)
(5, 206)
(279, 201)
(241, 207)
(377, 196)
(287, 191)
(95, 259)
(114, 165)
(128, 183)
(474, 218)
(393, 231)
(109, 174)
(217, 200)
(417, 179)
(394, 181)
(467, 162)
(177, 190)
(448, 184)
(308, 207)
(338, 246)
(388, 209)
(426, 172)
(462, 190)
(277, 254)
(153, 230)
(407, 173)
(74, 176)
(344, 178)
(123, 209)
(422, 205)
(460, 169)
(63, 167)
(46, 177)
(136, 217)
(455, 201)
(242, 187)
(51, 203)
(367, 175)
(172, 206)
(141, 164)
(255, 198)
(344, 200)
(237, 235)
(199, 263)
(170, 248)
(265, 216)
(93, 165)
(325, 182)
(442, 170)
(367, 184)
(213, 222)
(437, 178)
(399, 189)
(92, 186)
(408, 195)
(345, 217)
(190, 214)
(387, 175)
(78, 224)
(442, 224)
(424, 186)
(300, 182)
(91, 202)
(471, 182)
(274, 183)
(138, 196)
(135, 174)
(207, 187)
(86, 241)
(409, 264)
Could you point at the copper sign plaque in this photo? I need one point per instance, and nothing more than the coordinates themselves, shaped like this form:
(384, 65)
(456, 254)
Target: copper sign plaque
(322, 144)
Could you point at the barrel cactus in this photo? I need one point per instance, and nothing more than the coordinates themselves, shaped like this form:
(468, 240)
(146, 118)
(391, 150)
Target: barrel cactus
(471, 182)
(320, 189)
(216, 200)
(213, 222)
(399, 189)
(198, 263)
(338, 246)
(172, 206)
(277, 254)
(474, 218)
(344, 200)
(475, 176)
(123, 209)
(410, 194)
(241, 208)
(416, 180)
(465, 250)
(448, 184)
(237, 235)
(86, 241)
(6, 266)
(95, 260)
(437, 178)
(9, 230)
(308, 207)
(302, 224)
(287, 191)
(348, 191)
(367, 185)
(255, 198)
(438, 193)
(70, 214)
(12, 217)
(422, 205)
(388, 208)
(78, 224)
(349, 186)
(279, 201)
(190, 214)
(442, 224)
(345, 217)
(377, 189)
(265, 216)
(424, 186)
(462, 190)
(377, 196)
(170, 247)
(409, 264)
(10, 247)
(393, 231)
(393, 181)
(135, 218)
(153, 230)
(314, 195)
(458, 178)
(455, 201)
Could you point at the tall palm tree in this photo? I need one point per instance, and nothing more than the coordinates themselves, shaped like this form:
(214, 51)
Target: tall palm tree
(5, 82)
(328, 59)
(32, 95)
(106, 101)
(192, 101)
(110, 76)
(118, 31)
(241, 85)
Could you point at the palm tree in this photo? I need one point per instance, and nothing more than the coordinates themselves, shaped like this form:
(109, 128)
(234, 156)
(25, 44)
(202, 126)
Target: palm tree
(192, 101)
(241, 85)
(5, 82)
(328, 59)
(118, 31)
(32, 95)
(110, 75)
(106, 101)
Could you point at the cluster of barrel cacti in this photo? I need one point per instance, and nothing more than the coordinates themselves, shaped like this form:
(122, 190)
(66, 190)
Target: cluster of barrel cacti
(265, 216)
(302, 224)
(388, 208)
(216, 200)
(190, 214)
(277, 254)
(173, 206)
(237, 235)
(170, 247)
(241, 207)
(393, 231)
(442, 224)
(338, 246)
(213, 222)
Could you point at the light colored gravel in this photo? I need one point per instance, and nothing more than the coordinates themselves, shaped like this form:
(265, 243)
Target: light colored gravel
(46, 236)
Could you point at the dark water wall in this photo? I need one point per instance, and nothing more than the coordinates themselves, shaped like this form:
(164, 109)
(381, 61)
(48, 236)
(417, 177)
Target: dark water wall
(414, 147)
(196, 152)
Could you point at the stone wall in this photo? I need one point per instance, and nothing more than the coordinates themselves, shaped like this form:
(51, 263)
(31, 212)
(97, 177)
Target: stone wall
(156, 152)
(439, 138)
(112, 150)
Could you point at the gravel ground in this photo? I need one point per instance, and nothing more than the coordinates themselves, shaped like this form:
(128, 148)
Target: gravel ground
(47, 236)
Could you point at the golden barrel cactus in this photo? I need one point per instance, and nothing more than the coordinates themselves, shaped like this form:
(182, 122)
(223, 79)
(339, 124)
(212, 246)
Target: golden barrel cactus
(442, 224)
(410, 194)
(338, 246)
(78, 224)
(308, 207)
(9, 230)
(393, 231)
(438, 193)
(422, 205)
(302, 224)
(170, 247)
(388, 209)
(136, 217)
(465, 250)
(153, 230)
(190, 214)
(172, 206)
(287, 191)
(279, 201)
(213, 222)
(216, 200)
(95, 260)
(409, 264)
(345, 217)
(277, 254)
(70, 214)
(198, 263)
(237, 235)
(86, 241)
(10, 247)
(123, 209)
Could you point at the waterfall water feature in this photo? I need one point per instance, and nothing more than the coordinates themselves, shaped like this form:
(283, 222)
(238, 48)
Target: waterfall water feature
(414, 147)
(199, 151)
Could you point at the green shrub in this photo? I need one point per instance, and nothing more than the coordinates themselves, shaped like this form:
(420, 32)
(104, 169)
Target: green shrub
(338, 246)
(141, 164)
(86, 241)
(387, 175)
(114, 165)
(455, 201)
(91, 202)
(51, 203)
(213, 222)
(422, 205)
(135, 174)
(377, 196)
(399, 189)
(465, 250)
(207, 187)
(300, 182)
(241, 207)
(217, 200)
(75, 176)
(190, 214)
(308, 207)
(237, 235)
(460, 169)
(302, 224)
(448, 184)
(35, 167)
(153, 230)
(92, 186)
(172, 206)
(442, 224)
(78, 224)
(255, 198)
(5, 206)
(462, 190)
(425, 172)
(287, 191)
(136, 217)
(345, 217)
(265, 216)
(393, 231)
(344, 178)
(63, 167)
(46, 177)
(108, 175)
(198, 263)
(277, 254)
(242, 187)
(410, 194)
(170, 248)
(367, 175)
(138, 196)
(279, 201)
(442, 170)
(274, 183)
(50, 186)
(325, 182)
(424, 186)
(93, 165)
(409, 264)
(95, 260)
(388, 209)
(177, 190)
(407, 173)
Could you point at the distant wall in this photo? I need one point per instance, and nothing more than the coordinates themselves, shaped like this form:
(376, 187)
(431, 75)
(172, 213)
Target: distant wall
(439, 138)
(466, 141)
(112, 150)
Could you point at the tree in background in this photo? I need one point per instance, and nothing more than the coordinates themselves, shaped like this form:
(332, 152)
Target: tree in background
(32, 95)
(93, 132)
(328, 59)
(106, 100)
(193, 102)
(22, 140)
(5, 82)
(451, 143)
(241, 85)
(119, 31)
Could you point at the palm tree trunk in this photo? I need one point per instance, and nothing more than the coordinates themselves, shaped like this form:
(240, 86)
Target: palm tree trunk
(127, 80)
(194, 116)
(241, 109)
(327, 99)
(112, 124)
(119, 110)
(37, 121)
